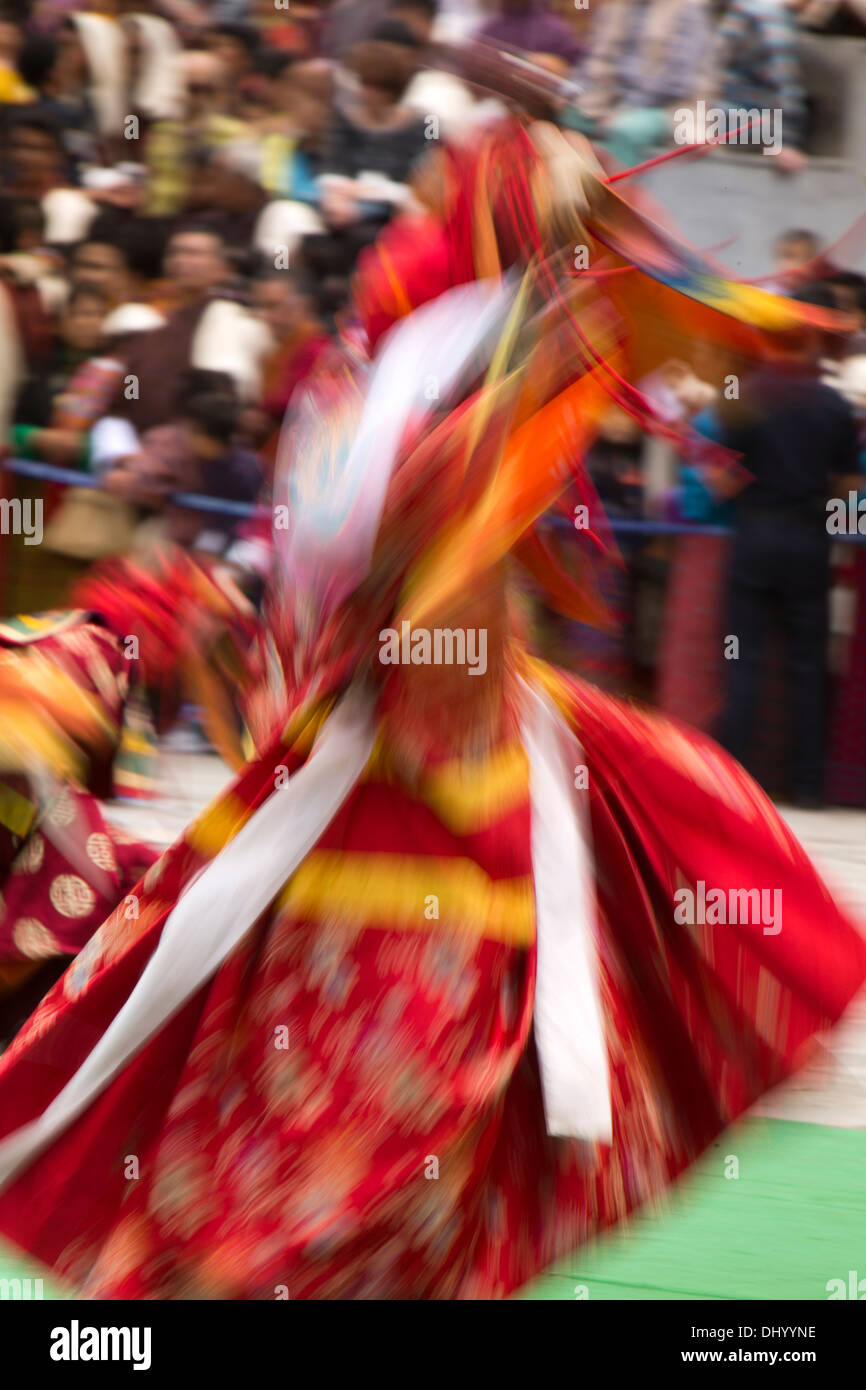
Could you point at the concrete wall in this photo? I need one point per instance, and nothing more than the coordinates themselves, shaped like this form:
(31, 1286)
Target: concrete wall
(737, 194)
(738, 197)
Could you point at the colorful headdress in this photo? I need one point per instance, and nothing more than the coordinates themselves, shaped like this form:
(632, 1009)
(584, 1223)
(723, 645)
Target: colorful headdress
(457, 471)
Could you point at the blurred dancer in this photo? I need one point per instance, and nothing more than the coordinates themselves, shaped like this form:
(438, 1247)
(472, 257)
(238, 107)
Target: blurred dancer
(79, 692)
(413, 1008)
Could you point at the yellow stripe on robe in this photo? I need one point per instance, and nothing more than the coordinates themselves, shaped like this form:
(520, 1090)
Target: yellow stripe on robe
(466, 795)
(398, 891)
(305, 725)
(222, 820)
(555, 685)
(469, 796)
(218, 824)
(16, 812)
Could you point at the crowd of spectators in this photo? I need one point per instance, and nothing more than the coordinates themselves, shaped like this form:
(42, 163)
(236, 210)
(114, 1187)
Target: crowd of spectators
(184, 195)
(158, 168)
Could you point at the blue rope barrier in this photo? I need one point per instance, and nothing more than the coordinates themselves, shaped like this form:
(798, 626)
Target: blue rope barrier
(221, 506)
(637, 526)
(190, 501)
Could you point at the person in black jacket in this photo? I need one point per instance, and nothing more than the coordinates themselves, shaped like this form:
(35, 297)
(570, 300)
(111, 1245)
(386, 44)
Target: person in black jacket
(798, 439)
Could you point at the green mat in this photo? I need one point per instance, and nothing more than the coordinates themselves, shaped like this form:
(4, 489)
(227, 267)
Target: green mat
(794, 1219)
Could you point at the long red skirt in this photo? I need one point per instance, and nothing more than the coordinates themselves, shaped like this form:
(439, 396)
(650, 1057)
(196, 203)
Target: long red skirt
(351, 1107)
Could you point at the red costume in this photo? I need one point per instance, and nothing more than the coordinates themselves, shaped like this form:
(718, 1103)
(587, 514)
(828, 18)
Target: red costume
(467, 963)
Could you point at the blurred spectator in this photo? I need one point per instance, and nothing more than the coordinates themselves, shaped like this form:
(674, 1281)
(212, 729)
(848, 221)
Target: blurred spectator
(832, 16)
(373, 131)
(33, 161)
(13, 88)
(36, 61)
(68, 76)
(197, 452)
(296, 28)
(284, 303)
(55, 70)
(36, 169)
(801, 261)
(102, 266)
(154, 67)
(419, 16)
(760, 68)
(48, 423)
(529, 26)
(290, 138)
(614, 463)
(227, 196)
(848, 288)
(217, 466)
(224, 194)
(203, 329)
(451, 109)
(458, 20)
(796, 255)
(235, 46)
(33, 289)
(349, 22)
(861, 313)
(374, 141)
(103, 47)
(122, 262)
(173, 146)
(645, 60)
(797, 438)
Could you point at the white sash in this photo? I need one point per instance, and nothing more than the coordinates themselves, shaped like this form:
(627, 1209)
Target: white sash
(569, 1032)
